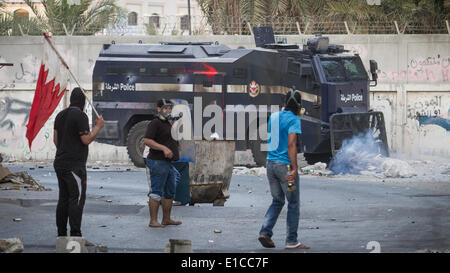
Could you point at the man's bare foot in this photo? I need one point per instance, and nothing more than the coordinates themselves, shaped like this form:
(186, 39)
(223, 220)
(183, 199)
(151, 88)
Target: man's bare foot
(155, 224)
(171, 222)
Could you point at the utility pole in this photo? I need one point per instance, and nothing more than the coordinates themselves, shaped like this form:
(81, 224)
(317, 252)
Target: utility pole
(189, 16)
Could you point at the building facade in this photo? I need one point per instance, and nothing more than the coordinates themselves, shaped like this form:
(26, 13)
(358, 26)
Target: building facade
(141, 17)
(159, 17)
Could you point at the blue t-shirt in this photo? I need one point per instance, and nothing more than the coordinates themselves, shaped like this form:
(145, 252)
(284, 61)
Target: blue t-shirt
(287, 122)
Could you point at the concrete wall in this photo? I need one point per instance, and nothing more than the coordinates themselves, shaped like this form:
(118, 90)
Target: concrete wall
(413, 81)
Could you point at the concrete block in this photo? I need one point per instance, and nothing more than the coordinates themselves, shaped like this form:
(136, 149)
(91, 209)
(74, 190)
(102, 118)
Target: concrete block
(211, 173)
(12, 245)
(71, 245)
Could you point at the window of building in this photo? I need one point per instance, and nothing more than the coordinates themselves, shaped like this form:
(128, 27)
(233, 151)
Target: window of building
(132, 18)
(184, 22)
(21, 13)
(154, 19)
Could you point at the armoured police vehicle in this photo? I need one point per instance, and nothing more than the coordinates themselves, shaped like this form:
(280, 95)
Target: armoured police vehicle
(129, 79)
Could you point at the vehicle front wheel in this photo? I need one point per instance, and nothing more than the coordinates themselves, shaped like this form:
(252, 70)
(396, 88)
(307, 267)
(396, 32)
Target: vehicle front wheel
(135, 143)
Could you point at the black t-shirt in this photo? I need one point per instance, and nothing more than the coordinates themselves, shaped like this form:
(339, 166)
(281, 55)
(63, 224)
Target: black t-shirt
(70, 124)
(160, 131)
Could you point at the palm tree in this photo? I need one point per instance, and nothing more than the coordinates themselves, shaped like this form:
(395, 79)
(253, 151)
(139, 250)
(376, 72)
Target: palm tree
(87, 18)
(12, 25)
(420, 16)
(6, 22)
(326, 16)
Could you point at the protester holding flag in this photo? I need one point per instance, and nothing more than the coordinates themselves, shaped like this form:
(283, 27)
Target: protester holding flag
(72, 137)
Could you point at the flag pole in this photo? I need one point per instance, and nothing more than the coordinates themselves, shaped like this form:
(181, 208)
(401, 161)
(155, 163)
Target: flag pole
(47, 38)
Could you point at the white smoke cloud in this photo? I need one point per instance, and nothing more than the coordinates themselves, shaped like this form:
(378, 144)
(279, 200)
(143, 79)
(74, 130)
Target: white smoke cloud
(362, 154)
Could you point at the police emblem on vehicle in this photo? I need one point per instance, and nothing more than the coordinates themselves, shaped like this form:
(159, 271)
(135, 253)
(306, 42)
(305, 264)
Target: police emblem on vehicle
(253, 89)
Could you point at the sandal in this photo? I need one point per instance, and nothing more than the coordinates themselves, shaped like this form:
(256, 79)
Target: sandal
(297, 246)
(266, 241)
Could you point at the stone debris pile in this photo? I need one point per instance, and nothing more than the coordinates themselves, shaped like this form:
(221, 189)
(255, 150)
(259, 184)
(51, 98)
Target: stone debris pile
(377, 166)
(372, 165)
(258, 171)
(11, 245)
(319, 168)
(397, 168)
(18, 181)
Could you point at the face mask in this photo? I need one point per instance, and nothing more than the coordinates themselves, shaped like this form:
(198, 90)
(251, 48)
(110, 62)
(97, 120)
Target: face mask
(167, 115)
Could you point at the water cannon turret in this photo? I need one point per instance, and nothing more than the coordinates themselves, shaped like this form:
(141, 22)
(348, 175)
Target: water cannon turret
(318, 44)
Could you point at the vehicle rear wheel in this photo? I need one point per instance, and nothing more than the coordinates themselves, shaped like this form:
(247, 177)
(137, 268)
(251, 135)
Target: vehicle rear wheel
(135, 143)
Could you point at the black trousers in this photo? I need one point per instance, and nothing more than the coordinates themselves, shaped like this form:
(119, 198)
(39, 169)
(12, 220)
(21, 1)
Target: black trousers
(72, 195)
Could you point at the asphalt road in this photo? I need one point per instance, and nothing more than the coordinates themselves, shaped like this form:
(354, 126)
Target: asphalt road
(335, 215)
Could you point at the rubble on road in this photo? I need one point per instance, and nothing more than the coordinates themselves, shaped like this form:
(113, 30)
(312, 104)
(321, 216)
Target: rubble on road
(396, 168)
(446, 171)
(102, 248)
(12, 245)
(374, 165)
(17, 181)
(4, 172)
(427, 250)
(261, 171)
(319, 168)
(258, 171)
(362, 155)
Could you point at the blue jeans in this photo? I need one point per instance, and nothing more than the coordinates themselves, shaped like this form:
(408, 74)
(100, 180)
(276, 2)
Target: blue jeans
(163, 177)
(276, 172)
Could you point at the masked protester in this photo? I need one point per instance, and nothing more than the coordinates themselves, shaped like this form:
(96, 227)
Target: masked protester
(72, 137)
(163, 151)
(282, 171)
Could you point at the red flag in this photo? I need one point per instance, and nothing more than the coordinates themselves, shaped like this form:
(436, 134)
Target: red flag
(50, 88)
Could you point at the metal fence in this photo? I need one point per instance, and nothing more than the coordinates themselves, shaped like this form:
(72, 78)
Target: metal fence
(179, 25)
(318, 25)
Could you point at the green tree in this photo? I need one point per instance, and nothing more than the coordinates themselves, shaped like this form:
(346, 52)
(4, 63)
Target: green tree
(150, 29)
(89, 17)
(327, 16)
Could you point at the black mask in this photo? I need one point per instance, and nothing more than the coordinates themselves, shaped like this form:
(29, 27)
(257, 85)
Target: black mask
(77, 98)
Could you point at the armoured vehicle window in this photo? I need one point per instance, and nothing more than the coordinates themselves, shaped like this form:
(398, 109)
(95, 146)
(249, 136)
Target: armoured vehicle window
(343, 69)
(334, 70)
(121, 70)
(354, 69)
(162, 71)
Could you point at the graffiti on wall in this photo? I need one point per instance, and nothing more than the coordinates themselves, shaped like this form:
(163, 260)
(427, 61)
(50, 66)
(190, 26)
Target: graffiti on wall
(10, 107)
(430, 110)
(427, 127)
(427, 69)
(432, 69)
(24, 71)
(14, 114)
